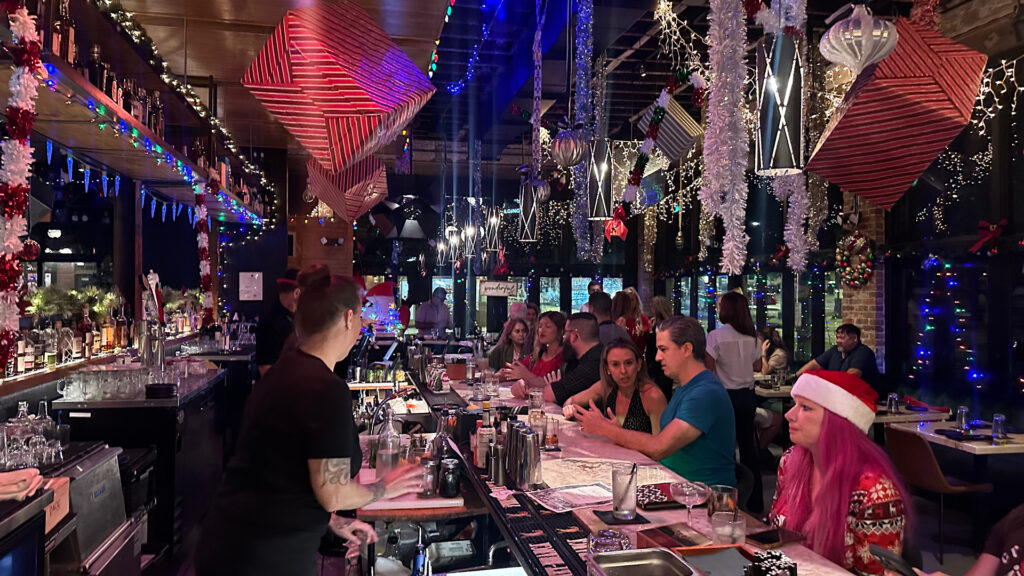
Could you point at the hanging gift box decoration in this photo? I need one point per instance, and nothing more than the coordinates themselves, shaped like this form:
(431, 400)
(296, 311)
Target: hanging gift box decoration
(899, 115)
(858, 40)
(677, 132)
(350, 193)
(337, 82)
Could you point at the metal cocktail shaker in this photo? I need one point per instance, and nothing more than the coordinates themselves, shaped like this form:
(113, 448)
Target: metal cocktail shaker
(497, 471)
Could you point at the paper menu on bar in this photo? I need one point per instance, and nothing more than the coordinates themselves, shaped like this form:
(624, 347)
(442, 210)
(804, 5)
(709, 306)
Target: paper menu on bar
(566, 498)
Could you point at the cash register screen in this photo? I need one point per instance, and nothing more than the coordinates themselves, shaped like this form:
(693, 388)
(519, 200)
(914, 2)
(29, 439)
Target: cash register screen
(21, 551)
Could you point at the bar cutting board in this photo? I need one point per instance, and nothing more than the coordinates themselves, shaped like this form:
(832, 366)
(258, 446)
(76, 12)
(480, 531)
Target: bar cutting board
(408, 501)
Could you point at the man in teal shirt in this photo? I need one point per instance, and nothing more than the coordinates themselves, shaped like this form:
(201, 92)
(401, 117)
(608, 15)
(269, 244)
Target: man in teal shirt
(698, 430)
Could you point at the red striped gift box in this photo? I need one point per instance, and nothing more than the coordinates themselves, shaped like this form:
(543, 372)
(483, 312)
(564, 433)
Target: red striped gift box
(677, 132)
(337, 82)
(350, 193)
(899, 115)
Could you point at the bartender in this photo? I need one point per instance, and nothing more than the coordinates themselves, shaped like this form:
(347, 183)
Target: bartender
(298, 454)
(276, 326)
(433, 314)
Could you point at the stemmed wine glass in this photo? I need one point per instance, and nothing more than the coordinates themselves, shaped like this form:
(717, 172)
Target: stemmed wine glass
(689, 494)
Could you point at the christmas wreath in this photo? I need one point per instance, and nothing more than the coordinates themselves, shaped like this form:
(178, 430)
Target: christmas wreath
(856, 245)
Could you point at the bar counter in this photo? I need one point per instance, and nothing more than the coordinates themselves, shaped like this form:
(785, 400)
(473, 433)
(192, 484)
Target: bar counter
(548, 543)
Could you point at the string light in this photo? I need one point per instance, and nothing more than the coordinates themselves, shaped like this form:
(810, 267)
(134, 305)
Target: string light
(680, 49)
(995, 83)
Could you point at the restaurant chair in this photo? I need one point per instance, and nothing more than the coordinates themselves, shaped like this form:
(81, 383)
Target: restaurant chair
(914, 459)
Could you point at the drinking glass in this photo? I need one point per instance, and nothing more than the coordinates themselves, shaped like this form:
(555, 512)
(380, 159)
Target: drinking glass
(607, 540)
(998, 427)
(3, 448)
(728, 528)
(63, 435)
(689, 494)
(893, 404)
(777, 379)
(962, 419)
(551, 435)
(722, 498)
(537, 400)
(624, 491)
(539, 423)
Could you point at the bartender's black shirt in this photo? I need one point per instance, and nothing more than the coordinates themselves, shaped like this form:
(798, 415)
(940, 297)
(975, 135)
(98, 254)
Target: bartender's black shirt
(267, 516)
(272, 331)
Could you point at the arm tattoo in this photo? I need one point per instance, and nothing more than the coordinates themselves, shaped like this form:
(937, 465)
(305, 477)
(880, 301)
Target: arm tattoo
(336, 471)
(377, 489)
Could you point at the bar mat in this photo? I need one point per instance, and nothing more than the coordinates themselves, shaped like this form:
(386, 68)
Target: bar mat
(609, 519)
(960, 436)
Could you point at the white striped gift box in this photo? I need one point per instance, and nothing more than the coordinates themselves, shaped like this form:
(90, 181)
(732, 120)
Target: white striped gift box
(678, 130)
(337, 82)
(899, 115)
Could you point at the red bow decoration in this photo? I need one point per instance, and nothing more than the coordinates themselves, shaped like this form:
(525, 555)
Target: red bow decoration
(988, 232)
(617, 225)
(781, 251)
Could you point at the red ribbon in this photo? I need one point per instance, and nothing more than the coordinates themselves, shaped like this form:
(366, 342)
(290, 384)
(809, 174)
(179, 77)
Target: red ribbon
(502, 268)
(987, 234)
(617, 225)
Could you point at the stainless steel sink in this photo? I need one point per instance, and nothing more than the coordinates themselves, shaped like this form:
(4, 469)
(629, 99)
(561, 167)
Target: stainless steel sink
(660, 561)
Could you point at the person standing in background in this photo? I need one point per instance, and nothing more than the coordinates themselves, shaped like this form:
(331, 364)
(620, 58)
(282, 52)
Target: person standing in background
(734, 355)
(433, 314)
(661, 310)
(626, 313)
(594, 286)
(276, 326)
(601, 308)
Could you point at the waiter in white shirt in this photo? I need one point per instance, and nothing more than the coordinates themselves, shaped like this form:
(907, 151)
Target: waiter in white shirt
(433, 314)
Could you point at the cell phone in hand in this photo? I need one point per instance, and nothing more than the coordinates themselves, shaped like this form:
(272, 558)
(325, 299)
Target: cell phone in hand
(771, 539)
(892, 561)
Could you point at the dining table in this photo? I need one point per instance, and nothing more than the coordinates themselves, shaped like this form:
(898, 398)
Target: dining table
(980, 450)
(584, 458)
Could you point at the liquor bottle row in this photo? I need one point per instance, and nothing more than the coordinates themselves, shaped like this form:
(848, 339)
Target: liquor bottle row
(145, 105)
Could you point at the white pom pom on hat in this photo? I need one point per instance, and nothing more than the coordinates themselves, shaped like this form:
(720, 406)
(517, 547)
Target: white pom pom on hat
(845, 394)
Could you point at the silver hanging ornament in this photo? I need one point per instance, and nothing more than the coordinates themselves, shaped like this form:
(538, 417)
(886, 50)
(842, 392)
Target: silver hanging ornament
(541, 190)
(569, 147)
(858, 40)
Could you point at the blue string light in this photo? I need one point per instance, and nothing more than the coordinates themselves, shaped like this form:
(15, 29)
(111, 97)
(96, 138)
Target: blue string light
(459, 85)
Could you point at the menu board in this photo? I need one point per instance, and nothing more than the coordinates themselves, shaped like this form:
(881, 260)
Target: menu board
(250, 286)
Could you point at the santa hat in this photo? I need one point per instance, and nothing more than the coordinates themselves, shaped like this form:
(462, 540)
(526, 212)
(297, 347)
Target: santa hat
(384, 289)
(843, 393)
(289, 279)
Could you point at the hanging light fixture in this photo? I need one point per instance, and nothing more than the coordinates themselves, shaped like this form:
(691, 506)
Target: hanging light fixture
(527, 211)
(780, 125)
(491, 230)
(469, 238)
(858, 40)
(599, 183)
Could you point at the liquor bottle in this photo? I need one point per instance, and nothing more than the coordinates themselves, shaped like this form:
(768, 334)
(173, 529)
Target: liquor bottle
(156, 115)
(108, 332)
(121, 331)
(97, 339)
(97, 70)
(125, 101)
(57, 36)
(20, 365)
(76, 64)
(78, 343)
(71, 52)
(389, 446)
(143, 98)
(87, 333)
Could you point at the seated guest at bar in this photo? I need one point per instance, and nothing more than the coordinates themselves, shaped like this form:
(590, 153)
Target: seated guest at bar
(581, 336)
(547, 355)
(298, 454)
(522, 311)
(532, 313)
(836, 486)
(601, 307)
(433, 315)
(623, 375)
(698, 432)
(661, 310)
(626, 313)
(733, 354)
(511, 346)
(774, 356)
(848, 355)
(276, 324)
(594, 286)
(1003, 554)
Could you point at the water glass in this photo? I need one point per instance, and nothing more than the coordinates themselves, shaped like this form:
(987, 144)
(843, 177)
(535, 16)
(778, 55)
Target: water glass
(429, 478)
(777, 379)
(624, 491)
(722, 498)
(892, 405)
(728, 528)
(689, 494)
(537, 400)
(607, 540)
(999, 427)
(963, 419)
(63, 435)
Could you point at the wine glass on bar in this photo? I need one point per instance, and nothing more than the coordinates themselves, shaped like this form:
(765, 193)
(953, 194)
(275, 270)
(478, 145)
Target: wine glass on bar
(689, 494)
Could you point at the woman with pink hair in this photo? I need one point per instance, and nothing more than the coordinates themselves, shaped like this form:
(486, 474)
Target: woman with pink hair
(835, 486)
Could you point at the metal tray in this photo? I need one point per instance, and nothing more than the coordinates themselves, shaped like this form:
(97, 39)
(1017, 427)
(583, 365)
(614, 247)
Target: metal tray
(660, 561)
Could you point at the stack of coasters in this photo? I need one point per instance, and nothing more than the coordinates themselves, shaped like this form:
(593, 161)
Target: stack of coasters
(770, 563)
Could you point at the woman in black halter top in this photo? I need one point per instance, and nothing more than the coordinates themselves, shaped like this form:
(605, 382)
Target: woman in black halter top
(624, 392)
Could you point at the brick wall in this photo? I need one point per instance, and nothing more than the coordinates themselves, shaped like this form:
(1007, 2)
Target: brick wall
(865, 307)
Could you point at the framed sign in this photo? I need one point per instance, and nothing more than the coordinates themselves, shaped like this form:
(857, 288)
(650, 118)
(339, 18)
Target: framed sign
(250, 286)
(494, 288)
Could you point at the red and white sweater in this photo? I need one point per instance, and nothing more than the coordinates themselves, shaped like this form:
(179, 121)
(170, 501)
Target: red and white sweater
(876, 516)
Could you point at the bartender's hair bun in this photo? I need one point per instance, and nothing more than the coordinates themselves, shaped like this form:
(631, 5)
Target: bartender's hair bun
(314, 275)
(324, 303)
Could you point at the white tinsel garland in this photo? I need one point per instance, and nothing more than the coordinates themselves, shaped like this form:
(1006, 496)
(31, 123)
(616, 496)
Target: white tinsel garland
(11, 231)
(202, 240)
(23, 26)
(204, 267)
(24, 89)
(10, 313)
(793, 188)
(17, 165)
(726, 146)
